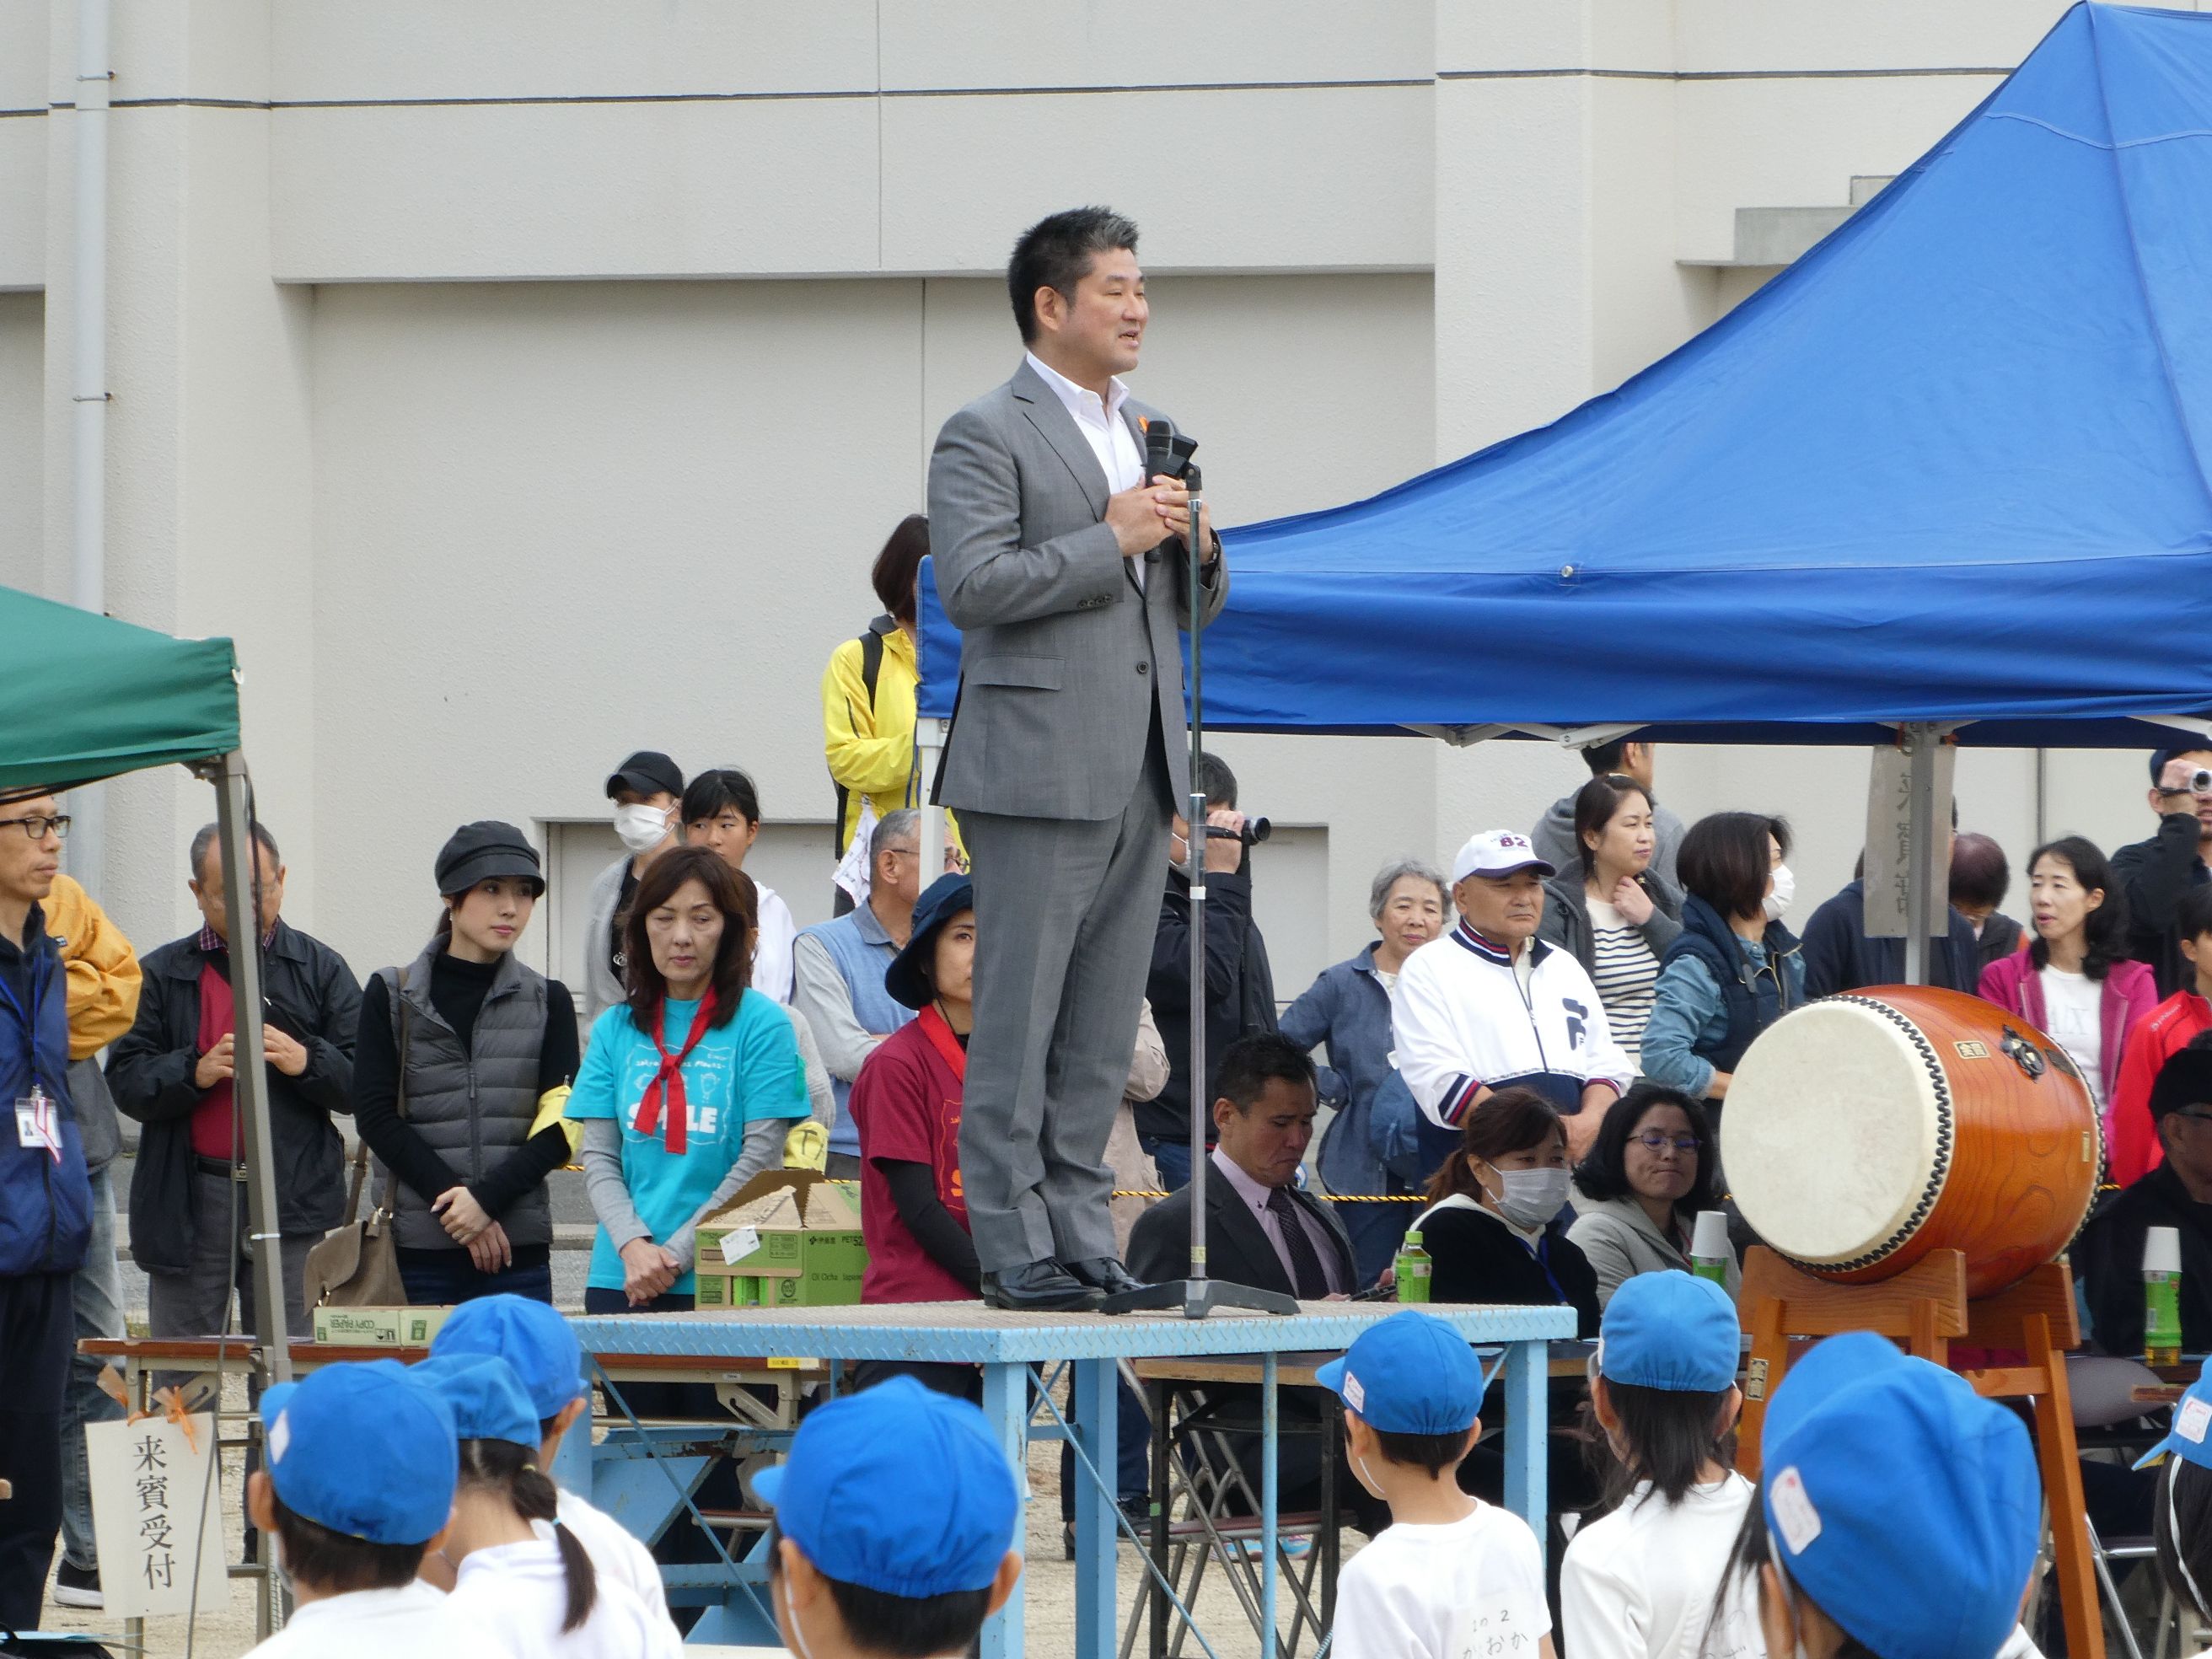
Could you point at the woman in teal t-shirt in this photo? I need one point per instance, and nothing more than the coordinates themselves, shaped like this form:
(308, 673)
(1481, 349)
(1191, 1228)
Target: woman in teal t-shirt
(688, 1087)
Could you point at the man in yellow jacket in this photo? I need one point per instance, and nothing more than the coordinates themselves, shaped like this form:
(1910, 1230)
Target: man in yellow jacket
(101, 972)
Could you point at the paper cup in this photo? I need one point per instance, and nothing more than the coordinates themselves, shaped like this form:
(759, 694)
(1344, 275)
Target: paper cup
(1710, 1241)
(2161, 1249)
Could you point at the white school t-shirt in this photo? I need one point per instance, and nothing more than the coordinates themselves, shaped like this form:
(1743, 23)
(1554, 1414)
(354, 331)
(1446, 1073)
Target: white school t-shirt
(617, 1552)
(2074, 1007)
(416, 1619)
(1469, 1587)
(523, 1590)
(1639, 1583)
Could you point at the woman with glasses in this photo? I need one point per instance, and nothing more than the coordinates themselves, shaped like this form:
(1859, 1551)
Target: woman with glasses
(1637, 1194)
(1608, 906)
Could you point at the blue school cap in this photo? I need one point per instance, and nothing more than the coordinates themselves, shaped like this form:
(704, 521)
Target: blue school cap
(898, 1489)
(533, 1338)
(1902, 1503)
(2189, 1437)
(1670, 1330)
(485, 1396)
(363, 1450)
(1411, 1374)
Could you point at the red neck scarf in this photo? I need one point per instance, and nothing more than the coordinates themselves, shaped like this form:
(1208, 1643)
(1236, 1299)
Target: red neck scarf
(667, 1083)
(938, 1030)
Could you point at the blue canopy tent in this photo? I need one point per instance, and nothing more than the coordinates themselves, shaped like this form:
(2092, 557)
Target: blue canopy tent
(1949, 467)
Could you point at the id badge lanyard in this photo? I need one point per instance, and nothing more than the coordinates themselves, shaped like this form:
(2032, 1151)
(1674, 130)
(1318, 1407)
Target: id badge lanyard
(37, 1124)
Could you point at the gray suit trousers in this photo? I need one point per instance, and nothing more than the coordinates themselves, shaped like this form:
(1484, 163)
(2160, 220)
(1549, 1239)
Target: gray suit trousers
(1065, 913)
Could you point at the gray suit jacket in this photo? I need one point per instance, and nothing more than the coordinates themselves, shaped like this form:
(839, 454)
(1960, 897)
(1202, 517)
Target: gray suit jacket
(1065, 662)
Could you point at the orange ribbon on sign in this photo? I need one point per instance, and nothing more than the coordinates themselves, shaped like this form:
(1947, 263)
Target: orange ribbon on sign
(171, 1402)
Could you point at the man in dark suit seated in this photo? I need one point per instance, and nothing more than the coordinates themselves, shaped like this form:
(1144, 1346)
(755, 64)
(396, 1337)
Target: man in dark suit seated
(1263, 1230)
(2178, 1194)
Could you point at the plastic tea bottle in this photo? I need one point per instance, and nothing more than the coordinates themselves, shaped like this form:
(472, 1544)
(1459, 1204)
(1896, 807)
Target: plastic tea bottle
(2162, 1296)
(1709, 1255)
(1412, 1269)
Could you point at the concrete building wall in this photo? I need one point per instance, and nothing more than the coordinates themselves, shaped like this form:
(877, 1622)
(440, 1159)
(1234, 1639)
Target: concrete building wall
(520, 383)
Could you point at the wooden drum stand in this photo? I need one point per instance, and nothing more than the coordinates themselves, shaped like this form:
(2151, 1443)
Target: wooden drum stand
(1926, 1307)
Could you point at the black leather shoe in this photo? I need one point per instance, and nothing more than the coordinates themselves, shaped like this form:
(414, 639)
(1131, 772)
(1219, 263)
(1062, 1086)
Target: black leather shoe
(1106, 1273)
(1039, 1287)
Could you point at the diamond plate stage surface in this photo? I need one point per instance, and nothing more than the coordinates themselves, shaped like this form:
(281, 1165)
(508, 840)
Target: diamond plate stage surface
(968, 1333)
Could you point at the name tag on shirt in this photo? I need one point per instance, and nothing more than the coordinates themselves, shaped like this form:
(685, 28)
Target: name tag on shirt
(35, 1124)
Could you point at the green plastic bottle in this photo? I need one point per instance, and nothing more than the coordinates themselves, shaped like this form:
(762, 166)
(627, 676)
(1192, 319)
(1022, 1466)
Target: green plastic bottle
(1412, 1270)
(2162, 1296)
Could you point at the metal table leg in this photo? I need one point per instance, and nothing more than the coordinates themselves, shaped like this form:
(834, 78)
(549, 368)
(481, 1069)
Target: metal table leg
(1162, 1444)
(1097, 1526)
(1270, 1498)
(1528, 1429)
(1006, 1405)
(1331, 1542)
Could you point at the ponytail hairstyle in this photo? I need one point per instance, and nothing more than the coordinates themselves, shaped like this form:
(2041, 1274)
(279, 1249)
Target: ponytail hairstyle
(1507, 1121)
(503, 1467)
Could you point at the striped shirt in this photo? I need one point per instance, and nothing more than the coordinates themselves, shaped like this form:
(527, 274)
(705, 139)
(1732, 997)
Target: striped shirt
(1625, 972)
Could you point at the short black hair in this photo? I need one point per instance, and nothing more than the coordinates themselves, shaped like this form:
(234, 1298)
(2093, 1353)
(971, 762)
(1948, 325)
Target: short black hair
(900, 1626)
(719, 790)
(1671, 1435)
(205, 839)
(1604, 757)
(1603, 1173)
(1435, 1453)
(1724, 861)
(2192, 912)
(1056, 252)
(2105, 930)
(1215, 780)
(337, 1564)
(893, 576)
(1979, 875)
(1248, 1064)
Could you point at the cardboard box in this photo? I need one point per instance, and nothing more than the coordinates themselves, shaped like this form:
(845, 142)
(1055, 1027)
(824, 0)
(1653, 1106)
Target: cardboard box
(790, 1239)
(378, 1327)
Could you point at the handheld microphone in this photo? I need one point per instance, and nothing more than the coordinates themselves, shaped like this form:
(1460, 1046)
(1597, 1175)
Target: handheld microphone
(1167, 451)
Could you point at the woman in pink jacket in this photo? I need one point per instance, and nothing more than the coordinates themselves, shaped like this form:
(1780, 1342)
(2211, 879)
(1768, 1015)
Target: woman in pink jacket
(2071, 981)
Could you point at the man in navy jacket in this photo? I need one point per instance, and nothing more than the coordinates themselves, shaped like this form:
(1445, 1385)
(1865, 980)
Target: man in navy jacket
(46, 1205)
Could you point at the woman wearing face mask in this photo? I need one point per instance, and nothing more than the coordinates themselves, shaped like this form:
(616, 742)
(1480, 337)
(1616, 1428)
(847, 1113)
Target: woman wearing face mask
(1609, 907)
(453, 1056)
(1493, 1228)
(721, 811)
(2072, 979)
(1734, 969)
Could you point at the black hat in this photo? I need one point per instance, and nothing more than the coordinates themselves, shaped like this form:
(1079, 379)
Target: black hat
(648, 772)
(2185, 1079)
(477, 852)
(908, 978)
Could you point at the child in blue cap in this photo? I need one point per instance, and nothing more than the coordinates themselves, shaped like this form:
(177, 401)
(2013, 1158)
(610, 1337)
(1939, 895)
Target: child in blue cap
(537, 1343)
(1899, 1515)
(358, 1487)
(539, 1586)
(896, 1517)
(2182, 1522)
(1640, 1581)
(1450, 1575)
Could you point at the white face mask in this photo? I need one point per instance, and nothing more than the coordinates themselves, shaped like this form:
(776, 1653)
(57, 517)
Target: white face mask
(1531, 1197)
(1785, 889)
(797, 1635)
(642, 828)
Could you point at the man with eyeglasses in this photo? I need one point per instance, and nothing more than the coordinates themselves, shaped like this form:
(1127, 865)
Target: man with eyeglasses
(173, 1072)
(2178, 1194)
(46, 1205)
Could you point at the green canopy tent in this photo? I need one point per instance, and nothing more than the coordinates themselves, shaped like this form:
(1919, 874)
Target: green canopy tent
(85, 698)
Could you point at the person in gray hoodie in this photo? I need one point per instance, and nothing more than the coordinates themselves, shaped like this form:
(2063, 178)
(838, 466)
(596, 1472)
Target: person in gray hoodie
(1637, 1194)
(1609, 907)
(1554, 834)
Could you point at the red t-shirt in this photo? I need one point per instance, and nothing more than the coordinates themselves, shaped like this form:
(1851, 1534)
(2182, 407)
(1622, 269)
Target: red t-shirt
(906, 1105)
(213, 1120)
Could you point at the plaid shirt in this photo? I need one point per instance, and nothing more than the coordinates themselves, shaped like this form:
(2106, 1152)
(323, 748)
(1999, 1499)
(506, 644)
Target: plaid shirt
(211, 941)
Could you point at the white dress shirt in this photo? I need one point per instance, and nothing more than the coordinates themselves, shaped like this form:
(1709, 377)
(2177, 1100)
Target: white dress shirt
(1104, 430)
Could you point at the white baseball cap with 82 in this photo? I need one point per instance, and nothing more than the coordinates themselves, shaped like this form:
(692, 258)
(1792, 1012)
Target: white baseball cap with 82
(1497, 853)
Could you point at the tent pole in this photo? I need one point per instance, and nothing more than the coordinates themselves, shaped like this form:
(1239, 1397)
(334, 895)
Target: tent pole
(1922, 905)
(930, 735)
(240, 871)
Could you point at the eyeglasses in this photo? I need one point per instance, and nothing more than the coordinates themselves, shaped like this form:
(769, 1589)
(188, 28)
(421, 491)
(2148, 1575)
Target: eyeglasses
(36, 828)
(1653, 1141)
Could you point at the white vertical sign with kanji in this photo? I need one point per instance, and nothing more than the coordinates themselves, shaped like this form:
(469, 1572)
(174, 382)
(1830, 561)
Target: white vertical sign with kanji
(157, 1515)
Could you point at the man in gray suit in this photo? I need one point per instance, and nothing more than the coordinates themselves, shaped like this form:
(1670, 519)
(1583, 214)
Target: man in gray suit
(1064, 566)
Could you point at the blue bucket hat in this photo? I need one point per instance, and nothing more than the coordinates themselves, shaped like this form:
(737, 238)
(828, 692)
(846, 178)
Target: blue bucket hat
(533, 1338)
(1906, 1506)
(364, 1450)
(1670, 1330)
(898, 1489)
(908, 978)
(485, 1396)
(1411, 1374)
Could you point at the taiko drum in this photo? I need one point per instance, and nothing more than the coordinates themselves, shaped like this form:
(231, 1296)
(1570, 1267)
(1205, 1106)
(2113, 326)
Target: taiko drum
(1861, 1132)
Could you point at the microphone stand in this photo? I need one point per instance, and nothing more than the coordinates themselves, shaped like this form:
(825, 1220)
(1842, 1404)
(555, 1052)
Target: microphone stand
(1198, 1295)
